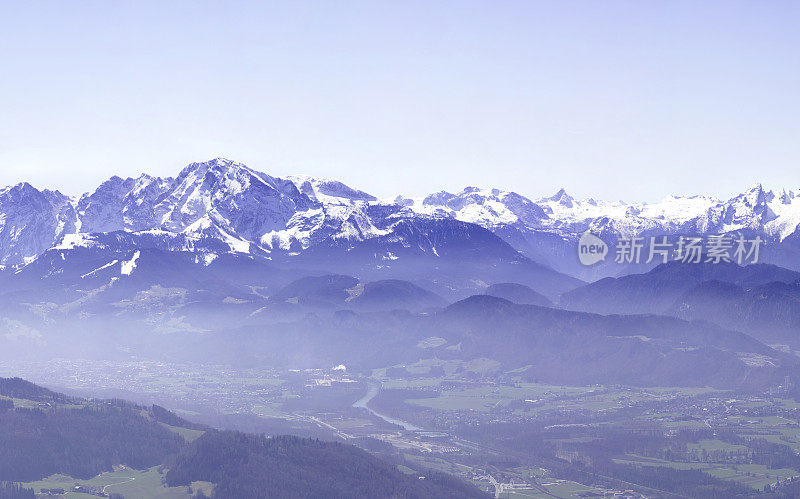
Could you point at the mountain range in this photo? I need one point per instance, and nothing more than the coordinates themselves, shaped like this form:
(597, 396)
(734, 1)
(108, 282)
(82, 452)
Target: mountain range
(762, 300)
(224, 206)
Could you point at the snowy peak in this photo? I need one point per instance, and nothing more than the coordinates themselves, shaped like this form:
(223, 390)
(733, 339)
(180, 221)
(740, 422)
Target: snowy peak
(561, 197)
(486, 207)
(121, 204)
(562, 214)
(221, 175)
(231, 196)
(749, 210)
(786, 197)
(326, 190)
(31, 221)
(22, 192)
(756, 197)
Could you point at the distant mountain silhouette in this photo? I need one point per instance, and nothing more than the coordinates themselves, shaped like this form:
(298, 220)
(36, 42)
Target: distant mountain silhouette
(518, 293)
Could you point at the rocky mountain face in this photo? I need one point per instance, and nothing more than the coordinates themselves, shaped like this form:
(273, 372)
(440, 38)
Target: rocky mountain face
(225, 206)
(31, 221)
(121, 205)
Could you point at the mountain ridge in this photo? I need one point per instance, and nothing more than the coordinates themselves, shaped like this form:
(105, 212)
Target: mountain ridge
(252, 212)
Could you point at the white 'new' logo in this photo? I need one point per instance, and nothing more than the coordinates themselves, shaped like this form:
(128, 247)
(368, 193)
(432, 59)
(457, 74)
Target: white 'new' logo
(591, 249)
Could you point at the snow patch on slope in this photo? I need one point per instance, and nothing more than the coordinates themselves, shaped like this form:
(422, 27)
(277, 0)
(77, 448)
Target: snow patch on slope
(109, 264)
(129, 266)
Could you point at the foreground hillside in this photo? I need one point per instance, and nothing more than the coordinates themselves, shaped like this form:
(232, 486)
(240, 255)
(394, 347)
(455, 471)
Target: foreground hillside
(255, 466)
(46, 434)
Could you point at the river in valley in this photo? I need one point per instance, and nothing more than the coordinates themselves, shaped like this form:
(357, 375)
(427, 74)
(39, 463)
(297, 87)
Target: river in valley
(372, 392)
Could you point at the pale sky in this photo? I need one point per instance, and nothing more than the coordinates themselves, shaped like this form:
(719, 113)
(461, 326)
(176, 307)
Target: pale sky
(617, 100)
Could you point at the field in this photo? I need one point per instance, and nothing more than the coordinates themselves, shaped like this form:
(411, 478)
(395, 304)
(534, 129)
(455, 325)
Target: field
(560, 488)
(711, 445)
(125, 481)
(540, 398)
(438, 464)
(188, 434)
(752, 475)
(485, 398)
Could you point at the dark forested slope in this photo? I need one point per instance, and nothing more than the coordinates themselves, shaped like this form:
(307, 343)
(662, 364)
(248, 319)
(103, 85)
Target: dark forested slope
(254, 466)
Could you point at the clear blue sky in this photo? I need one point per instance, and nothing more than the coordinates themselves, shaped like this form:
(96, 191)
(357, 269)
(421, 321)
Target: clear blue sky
(632, 100)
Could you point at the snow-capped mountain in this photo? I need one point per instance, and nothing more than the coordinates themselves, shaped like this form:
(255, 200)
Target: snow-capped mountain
(220, 207)
(121, 205)
(328, 191)
(774, 214)
(224, 206)
(246, 210)
(31, 221)
(547, 229)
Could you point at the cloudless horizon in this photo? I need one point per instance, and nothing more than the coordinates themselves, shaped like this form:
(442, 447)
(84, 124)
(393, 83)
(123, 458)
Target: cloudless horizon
(613, 100)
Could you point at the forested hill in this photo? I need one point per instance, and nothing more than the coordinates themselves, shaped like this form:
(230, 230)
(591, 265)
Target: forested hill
(254, 466)
(21, 389)
(43, 433)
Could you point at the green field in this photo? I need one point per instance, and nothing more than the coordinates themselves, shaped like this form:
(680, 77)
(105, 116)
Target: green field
(27, 404)
(487, 397)
(188, 434)
(390, 384)
(752, 475)
(269, 410)
(126, 481)
(712, 445)
(437, 464)
(561, 488)
(542, 398)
